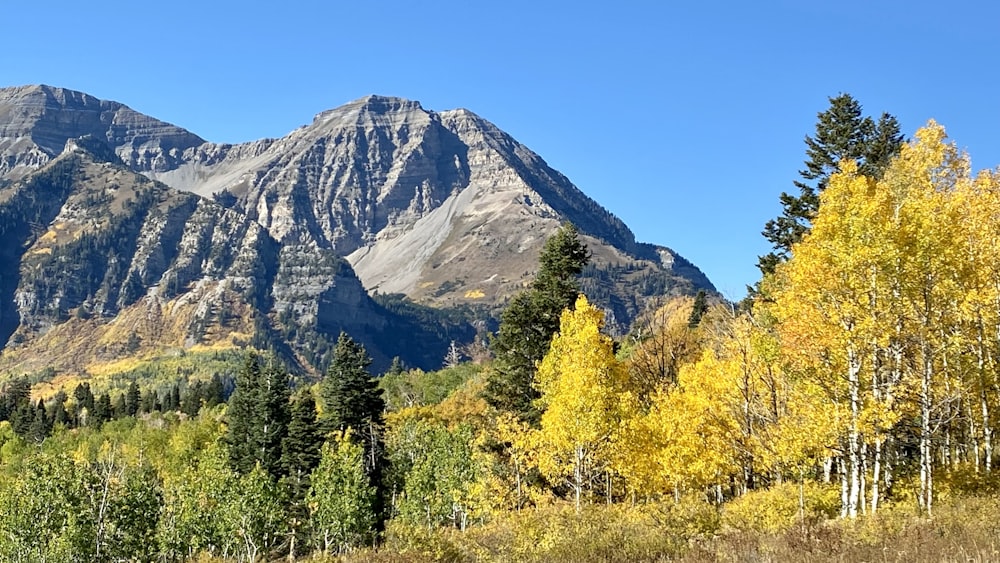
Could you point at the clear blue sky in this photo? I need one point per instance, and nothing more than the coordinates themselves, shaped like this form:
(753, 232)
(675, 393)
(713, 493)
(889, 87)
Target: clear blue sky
(685, 119)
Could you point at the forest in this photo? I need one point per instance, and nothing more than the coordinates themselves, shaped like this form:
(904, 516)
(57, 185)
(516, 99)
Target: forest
(846, 410)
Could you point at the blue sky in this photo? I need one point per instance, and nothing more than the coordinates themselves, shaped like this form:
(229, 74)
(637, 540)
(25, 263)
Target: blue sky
(684, 119)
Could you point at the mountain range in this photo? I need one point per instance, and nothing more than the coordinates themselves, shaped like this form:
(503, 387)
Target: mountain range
(122, 236)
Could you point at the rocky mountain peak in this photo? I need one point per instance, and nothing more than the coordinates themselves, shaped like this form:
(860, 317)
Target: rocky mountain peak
(37, 121)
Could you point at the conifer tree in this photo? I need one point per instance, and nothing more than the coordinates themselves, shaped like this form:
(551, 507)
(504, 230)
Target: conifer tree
(530, 320)
(102, 410)
(258, 417)
(41, 426)
(699, 309)
(16, 393)
(352, 398)
(57, 410)
(84, 402)
(132, 399)
(300, 454)
(842, 133)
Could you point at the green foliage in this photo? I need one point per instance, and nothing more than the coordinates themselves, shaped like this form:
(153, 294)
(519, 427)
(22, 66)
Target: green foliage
(417, 388)
(352, 400)
(255, 514)
(432, 472)
(342, 502)
(842, 133)
(530, 320)
(258, 417)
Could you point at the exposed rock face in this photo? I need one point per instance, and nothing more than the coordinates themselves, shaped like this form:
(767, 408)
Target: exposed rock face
(442, 207)
(36, 122)
(90, 244)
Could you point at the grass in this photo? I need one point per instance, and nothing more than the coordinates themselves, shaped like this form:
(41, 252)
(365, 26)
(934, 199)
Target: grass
(962, 529)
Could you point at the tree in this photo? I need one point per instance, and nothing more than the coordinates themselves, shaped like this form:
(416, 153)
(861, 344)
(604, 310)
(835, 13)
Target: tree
(530, 320)
(300, 454)
(84, 403)
(258, 417)
(132, 399)
(698, 309)
(581, 388)
(341, 498)
(842, 134)
(102, 410)
(353, 399)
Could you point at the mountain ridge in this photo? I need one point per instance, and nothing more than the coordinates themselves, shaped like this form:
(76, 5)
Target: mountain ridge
(442, 207)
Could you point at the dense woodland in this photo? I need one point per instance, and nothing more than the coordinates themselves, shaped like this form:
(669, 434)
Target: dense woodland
(847, 409)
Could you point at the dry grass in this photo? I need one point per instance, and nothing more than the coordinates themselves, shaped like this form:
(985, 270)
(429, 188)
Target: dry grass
(962, 530)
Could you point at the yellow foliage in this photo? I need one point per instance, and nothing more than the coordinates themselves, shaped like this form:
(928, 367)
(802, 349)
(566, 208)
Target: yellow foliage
(582, 391)
(474, 294)
(782, 506)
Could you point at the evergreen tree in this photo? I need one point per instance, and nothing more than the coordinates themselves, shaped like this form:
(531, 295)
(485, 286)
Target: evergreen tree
(215, 392)
(258, 417)
(174, 402)
(84, 403)
(41, 425)
(102, 410)
(132, 399)
(149, 402)
(699, 309)
(353, 400)
(118, 406)
(15, 394)
(351, 396)
(191, 403)
(22, 419)
(57, 409)
(300, 448)
(842, 132)
(530, 320)
(300, 454)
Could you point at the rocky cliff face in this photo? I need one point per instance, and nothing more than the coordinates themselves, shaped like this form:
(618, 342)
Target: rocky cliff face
(37, 121)
(284, 239)
(442, 207)
(103, 263)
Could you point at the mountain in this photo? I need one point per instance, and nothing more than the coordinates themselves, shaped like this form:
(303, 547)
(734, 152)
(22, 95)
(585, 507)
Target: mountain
(443, 207)
(114, 223)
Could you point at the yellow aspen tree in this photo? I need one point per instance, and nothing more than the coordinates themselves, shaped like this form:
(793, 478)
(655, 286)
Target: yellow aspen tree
(978, 204)
(716, 426)
(875, 289)
(581, 386)
(927, 171)
(663, 343)
(831, 302)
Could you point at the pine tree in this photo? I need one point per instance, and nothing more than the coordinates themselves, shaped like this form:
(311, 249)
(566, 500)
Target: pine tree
(842, 133)
(102, 410)
(300, 448)
(41, 426)
(699, 309)
(353, 400)
(530, 320)
(132, 399)
(258, 417)
(351, 397)
(118, 406)
(214, 392)
(191, 403)
(15, 393)
(84, 403)
(300, 454)
(57, 409)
